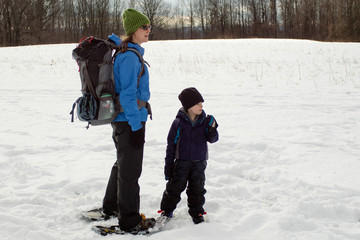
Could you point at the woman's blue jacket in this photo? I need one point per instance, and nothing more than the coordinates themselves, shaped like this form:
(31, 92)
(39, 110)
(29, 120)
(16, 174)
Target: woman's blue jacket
(127, 67)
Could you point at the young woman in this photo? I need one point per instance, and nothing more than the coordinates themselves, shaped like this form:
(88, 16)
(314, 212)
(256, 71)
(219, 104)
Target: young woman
(122, 196)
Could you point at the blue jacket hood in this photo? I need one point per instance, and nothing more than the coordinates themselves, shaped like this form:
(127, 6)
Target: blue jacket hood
(117, 40)
(113, 37)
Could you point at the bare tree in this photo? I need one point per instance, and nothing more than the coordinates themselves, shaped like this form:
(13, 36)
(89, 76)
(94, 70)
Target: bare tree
(224, 16)
(103, 17)
(132, 3)
(69, 18)
(288, 14)
(218, 12)
(202, 14)
(40, 21)
(273, 18)
(308, 16)
(232, 18)
(191, 13)
(116, 18)
(179, 18)
(53, 21)
(158, 12)
(255, 13)
(243, 23)
(348, 25)
(14, 18)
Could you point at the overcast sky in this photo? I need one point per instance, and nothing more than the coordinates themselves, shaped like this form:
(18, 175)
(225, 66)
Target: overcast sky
(171, 1)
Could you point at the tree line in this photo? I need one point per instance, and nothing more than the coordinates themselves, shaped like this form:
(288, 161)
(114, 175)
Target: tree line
(63, 21)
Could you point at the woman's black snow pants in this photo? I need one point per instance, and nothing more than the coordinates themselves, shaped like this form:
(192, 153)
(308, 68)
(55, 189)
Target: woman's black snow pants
(123, 190)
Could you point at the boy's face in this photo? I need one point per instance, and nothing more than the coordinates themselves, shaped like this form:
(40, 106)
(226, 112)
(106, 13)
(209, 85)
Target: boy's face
(196, 109)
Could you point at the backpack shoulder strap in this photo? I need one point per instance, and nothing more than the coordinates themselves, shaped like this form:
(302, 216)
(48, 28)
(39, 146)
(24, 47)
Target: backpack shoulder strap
(142, 63)
(142, 70)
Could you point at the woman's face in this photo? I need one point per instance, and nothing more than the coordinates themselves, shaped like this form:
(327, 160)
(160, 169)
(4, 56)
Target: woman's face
(141, 35)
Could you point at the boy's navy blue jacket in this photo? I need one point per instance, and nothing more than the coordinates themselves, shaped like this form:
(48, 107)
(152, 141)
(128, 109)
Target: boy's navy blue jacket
(187, 140)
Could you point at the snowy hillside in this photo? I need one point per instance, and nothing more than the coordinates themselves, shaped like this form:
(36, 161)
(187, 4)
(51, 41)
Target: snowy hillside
(286, 166)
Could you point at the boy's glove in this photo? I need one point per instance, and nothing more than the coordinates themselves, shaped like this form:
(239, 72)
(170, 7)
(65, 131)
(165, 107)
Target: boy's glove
(168, 171)
(211, 123)
(137, 138)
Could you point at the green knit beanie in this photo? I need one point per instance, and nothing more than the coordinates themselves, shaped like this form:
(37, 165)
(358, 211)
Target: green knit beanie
(133, 19)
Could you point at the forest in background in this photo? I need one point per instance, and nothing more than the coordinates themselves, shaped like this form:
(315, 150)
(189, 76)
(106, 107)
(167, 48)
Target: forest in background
(27, 22)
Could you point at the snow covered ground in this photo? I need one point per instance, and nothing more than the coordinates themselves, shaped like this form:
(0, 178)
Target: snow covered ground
(286, 166)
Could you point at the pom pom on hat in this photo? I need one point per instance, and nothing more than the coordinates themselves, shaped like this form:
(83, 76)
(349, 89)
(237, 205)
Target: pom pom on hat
(189, 97)
(133, 19)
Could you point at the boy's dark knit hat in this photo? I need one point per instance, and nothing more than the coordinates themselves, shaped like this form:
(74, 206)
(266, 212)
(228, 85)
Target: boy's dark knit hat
(133, 19)
(189, 97)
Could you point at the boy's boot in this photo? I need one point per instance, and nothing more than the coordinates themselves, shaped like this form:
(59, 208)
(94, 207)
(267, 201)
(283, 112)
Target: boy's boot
(198, 219)
(166, 214)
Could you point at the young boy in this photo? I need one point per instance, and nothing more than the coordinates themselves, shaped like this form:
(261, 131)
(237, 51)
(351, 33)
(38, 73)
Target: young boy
(186, 155)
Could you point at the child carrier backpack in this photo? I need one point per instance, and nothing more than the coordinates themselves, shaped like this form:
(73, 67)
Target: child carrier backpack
(99, 104)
